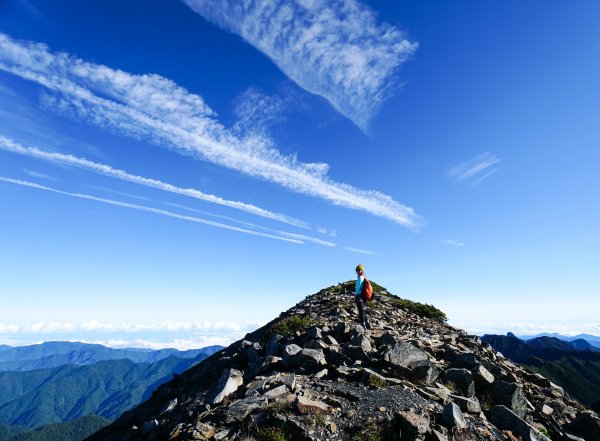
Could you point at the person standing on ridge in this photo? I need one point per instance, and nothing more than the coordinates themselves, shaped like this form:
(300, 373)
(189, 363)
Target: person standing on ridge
(360, 303)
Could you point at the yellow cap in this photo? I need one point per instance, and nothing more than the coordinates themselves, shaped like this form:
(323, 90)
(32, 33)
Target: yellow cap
(359, 267)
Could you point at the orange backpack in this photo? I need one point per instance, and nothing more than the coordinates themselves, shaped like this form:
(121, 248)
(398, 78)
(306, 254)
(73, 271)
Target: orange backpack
(367, 290)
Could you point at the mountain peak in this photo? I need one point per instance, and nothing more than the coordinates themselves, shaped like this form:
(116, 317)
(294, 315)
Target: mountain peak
(315, 373)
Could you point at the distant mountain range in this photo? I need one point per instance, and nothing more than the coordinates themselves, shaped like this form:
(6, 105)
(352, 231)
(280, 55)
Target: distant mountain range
(59, 353)
(77, 429)
(78, 380)
(593, 340)
(574, 364)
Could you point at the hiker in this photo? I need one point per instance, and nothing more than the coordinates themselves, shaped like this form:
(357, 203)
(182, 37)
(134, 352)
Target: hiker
(360, 303)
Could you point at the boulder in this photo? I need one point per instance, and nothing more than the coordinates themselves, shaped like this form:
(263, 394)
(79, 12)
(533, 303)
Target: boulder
(308, 406)
(424, 372)
(276, 392)
(295, 356)
(228, 383)
(240, 409)
(466, 360)
(412, 426)
(467, 404)
(453, 416)
(505, 419)
(461, 380)
(482, 377)
(510, 395)
(404, 355)
(587, 425)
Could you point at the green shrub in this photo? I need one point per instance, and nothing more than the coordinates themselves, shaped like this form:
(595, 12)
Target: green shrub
(372, 432)
(290, 325)
(271, 434)
(375, 382)
(280, 406)
(420, 309)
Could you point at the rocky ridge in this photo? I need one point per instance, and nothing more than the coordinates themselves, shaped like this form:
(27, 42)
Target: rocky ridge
(315, 374)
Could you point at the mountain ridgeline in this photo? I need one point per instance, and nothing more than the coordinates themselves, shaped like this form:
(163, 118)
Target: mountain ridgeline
(314, 373)
(575, 364)
(58, 353)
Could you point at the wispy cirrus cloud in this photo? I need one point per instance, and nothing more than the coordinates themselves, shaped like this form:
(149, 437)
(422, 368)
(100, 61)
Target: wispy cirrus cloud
(475, 170)
(336, 49)
(155, 109)
(36, 174)
(278, 235)
(360, 251)
(106, 170)
(452, 242)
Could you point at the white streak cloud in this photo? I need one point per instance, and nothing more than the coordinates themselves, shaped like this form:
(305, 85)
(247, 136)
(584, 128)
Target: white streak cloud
(360, 251)
(452, 243)
(155, 109)
(287, 237)
(476, 169)
(336, 49)
(106, 170)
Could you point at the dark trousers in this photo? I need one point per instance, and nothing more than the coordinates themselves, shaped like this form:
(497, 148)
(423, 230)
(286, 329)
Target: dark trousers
(362, 315)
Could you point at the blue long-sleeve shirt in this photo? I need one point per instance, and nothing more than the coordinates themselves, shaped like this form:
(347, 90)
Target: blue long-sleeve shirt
(359, 284)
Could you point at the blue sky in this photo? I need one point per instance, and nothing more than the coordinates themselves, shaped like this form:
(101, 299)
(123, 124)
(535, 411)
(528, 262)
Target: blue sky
(177, 173)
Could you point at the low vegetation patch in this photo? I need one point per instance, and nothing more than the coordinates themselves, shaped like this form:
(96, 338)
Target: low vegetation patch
(420, 309)
(272, 434)
(281, 406)
(372, 432)
(375, 382)
(289, 325)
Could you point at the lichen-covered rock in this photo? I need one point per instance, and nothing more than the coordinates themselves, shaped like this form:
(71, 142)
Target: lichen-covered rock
(510, 395)
(461, 380)
(505, 419)
(453, 416)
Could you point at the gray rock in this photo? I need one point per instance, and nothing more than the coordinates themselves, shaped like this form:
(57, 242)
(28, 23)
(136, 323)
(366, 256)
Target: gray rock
(314, 333)
(253, 352)
(355, 352)
(470, 405)
(149, 426)
(462, 380)
(307, 406)
(330, 340)
(483, 378)
(453, 416)
(467, 360)
(412, 425)
(276, 392)
(510, 395)
(295, 356)
(229, 382)
(342, 331)
(240, 409)
(404, 355)
(387, 339)
(505, 419)
(587, 425)
(169, 406)
(317, 344)
(272, 348)
(425, 373)
(363, 341)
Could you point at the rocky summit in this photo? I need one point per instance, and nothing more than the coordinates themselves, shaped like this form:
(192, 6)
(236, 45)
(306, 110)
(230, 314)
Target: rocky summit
(315, 374)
